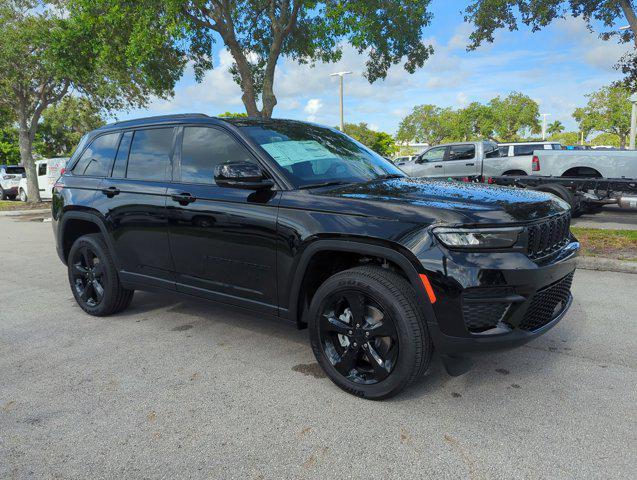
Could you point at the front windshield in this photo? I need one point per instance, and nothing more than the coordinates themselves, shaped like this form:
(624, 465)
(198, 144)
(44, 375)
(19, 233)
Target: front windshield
(311, 155)
(15, 170)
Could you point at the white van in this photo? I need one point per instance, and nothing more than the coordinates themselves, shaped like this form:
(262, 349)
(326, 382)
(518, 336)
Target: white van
(48, 170)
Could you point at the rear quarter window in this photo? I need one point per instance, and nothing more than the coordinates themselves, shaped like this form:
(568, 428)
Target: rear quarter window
(98, 157)
(519, 150)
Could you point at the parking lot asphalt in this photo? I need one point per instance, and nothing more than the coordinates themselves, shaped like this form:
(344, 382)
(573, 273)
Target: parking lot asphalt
(176, 388)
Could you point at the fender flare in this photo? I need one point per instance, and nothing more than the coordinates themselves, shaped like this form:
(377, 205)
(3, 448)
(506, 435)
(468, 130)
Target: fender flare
(391, 254)
(94, 218)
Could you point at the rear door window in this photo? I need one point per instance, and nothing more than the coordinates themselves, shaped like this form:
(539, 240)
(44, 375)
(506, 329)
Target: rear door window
(150, 154)
(41, 169)
(519, 150)
(462, 152)
(98, 158)
(491, 150)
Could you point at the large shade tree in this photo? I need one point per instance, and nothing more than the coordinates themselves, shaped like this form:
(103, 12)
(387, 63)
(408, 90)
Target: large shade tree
(47, 53)
(608, 110)
(258, 33)
(605, 16)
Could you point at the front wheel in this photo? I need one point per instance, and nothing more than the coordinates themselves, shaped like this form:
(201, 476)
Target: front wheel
(368, 333)
(93, 278)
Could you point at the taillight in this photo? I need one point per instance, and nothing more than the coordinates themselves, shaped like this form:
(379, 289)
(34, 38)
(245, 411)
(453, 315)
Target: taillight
(62, 171)
(536, 163)
(490, 180)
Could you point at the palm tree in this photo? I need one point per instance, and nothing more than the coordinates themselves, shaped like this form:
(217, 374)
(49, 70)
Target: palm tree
(555, 127)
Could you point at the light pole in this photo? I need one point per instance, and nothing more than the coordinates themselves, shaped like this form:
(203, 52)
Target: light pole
(544, 115)
(341, 75)
(633, 120)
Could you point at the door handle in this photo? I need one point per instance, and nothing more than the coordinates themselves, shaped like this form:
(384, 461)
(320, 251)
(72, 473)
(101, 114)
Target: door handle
(469, 164)
(183, 198)
(110, 192)
(437, 166)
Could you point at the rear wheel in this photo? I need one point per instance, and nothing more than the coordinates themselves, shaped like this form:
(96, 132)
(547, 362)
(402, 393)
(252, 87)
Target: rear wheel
(368, 332)
(23, 195)
(93, 278)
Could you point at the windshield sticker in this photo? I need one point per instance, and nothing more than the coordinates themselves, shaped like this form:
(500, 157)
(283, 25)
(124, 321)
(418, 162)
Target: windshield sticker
(289, 153)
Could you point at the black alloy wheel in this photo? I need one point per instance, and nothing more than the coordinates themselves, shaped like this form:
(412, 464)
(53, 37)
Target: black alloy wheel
(87, 276)
(358, 337)
(94, 279)
(368, 331)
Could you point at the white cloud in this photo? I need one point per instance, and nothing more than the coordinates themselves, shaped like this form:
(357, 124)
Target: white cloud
(312, 108)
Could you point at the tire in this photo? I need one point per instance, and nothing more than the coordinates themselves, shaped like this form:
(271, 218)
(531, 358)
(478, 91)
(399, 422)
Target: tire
(390, 301)
(91, 270)
(3, 195)
(23, 195)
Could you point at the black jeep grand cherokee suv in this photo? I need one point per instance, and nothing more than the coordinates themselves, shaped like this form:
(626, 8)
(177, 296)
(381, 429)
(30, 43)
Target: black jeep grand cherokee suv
(300, 221)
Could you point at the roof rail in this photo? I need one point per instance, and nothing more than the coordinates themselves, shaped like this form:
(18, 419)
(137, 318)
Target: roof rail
(160, 117)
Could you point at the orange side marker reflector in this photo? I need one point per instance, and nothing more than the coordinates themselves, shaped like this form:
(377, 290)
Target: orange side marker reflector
(428, 288)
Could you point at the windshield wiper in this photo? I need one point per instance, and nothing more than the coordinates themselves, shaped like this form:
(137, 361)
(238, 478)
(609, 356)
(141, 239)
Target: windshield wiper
(323, 184)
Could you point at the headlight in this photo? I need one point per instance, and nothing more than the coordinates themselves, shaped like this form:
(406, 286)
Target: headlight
(478, 237)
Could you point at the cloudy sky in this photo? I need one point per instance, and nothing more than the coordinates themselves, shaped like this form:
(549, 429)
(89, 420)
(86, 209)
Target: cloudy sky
(556, 67)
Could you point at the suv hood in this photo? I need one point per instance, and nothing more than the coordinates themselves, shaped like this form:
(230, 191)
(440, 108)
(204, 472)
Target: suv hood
(451, 201)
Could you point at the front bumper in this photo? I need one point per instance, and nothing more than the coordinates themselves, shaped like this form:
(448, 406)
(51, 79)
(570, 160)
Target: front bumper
(11, 190)
(489, 301)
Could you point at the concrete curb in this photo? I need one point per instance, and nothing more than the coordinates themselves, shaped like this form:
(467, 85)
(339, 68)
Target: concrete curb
(606, 265)
(16, 213)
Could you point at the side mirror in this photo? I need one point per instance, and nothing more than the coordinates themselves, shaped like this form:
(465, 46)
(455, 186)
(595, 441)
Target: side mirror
(420, 160)
(244, 175)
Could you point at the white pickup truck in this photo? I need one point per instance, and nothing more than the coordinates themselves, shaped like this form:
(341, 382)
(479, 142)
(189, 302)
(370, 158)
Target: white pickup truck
(481, 159)
(585, 163)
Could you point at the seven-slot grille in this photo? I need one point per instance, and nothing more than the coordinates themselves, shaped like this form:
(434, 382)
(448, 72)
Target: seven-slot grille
(549, 236)
(547, 304)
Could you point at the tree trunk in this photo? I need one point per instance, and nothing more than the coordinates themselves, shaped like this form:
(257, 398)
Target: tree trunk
(26, 157)
(622, 140)
(629, 12)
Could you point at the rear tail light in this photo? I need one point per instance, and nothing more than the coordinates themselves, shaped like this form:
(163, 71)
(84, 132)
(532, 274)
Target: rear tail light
(536, 163)
(490, 180)
(62, 171)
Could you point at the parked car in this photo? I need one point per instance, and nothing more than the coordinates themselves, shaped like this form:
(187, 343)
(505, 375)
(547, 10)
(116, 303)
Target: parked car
(10, 176)
(519, 154)
(586, 163)
(466, 159)
(48, 171)
(297, 221)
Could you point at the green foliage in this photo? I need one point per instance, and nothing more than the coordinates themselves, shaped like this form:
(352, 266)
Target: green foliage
(381, 142)
(566, 138)
(608, 110)
(9, 150)
(513, 117)
(607, 139)
(502, 119)
(555, 127)
(232, 115)
(64, 123)
(488, 16)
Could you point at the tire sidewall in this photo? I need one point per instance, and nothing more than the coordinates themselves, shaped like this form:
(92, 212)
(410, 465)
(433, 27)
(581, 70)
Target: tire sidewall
(403, 369)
